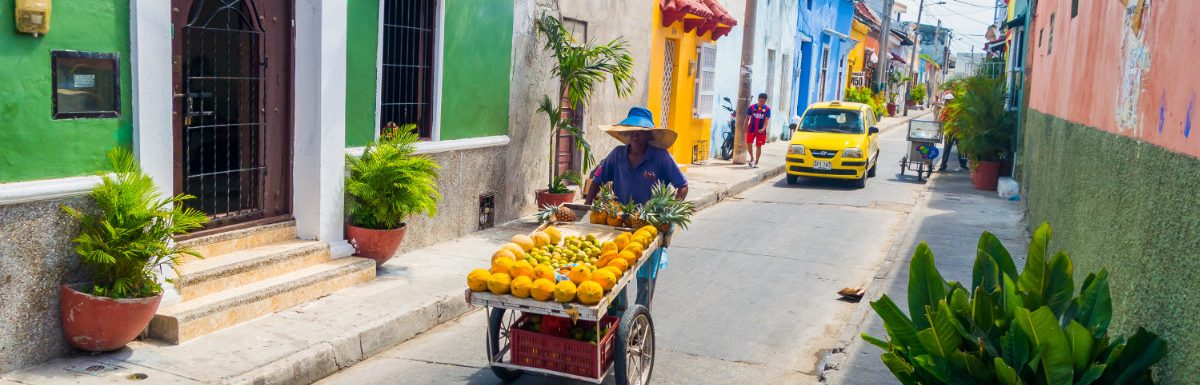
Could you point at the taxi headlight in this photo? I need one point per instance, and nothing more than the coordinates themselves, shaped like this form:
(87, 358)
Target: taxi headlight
(852, 152)
(796, 149)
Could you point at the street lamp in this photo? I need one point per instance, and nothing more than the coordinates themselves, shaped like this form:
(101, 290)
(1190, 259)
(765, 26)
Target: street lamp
(913, 57)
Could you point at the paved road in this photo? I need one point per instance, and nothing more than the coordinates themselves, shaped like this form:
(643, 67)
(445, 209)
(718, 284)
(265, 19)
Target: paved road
(749, 296)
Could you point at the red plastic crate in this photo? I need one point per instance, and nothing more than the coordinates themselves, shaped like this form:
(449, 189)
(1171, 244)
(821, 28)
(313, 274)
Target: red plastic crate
(562, 354)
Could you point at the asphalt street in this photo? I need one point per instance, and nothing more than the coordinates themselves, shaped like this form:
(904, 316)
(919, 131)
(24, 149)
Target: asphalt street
(749, 295)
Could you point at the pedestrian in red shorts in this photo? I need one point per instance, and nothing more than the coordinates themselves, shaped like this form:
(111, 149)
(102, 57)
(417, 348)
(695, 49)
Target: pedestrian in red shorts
(757, 117)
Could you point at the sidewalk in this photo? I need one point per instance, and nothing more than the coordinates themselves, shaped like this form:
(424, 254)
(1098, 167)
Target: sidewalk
(950, 218)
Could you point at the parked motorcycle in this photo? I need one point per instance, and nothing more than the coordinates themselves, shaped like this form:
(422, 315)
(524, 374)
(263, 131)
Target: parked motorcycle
(726, 152)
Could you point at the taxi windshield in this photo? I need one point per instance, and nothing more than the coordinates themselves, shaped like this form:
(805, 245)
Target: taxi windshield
(831, 120)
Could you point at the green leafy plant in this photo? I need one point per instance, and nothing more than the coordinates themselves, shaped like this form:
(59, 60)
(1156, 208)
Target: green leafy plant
(664, 209)
(985, 129)
(389, 182)
(582, 68)
(1010, 329)
(558, 187)
(917, 94)
(126, 241)
(865, 96)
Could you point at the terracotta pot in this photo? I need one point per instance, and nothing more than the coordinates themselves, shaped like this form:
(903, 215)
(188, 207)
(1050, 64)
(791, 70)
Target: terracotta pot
(101, 324)
(891, 107)
(985, 174)
(379, 245)
(546, 198)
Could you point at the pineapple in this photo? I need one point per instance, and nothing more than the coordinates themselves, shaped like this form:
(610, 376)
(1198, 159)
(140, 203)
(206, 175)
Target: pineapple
(565, 214)
(613, 214)
(599, 212)
(628, 213)
(665, 210)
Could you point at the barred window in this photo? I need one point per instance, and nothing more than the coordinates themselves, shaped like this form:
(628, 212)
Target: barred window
(406, 91)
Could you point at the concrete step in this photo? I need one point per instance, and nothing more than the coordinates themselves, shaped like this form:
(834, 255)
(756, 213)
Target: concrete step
(235, 240)
(223, 309)
(213, 274)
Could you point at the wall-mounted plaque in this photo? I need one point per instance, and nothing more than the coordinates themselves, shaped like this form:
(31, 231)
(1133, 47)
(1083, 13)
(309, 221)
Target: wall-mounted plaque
(86, 84)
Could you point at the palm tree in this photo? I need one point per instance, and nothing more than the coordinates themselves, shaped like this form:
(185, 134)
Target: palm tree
(582, 67)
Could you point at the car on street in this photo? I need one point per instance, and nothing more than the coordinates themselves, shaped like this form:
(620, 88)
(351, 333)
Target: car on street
(835, 140)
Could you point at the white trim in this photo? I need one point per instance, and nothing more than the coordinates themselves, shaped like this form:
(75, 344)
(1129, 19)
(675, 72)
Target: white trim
(153, 125)
(32, 191)
(431, 147)
(435, 127)
(378, 73)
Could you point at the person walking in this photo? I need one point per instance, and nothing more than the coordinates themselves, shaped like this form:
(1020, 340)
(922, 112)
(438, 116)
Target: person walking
(757, 118)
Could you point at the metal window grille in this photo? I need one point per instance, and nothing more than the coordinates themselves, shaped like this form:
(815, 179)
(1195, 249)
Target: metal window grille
(224, 126)
(706, 82)
(406, 91)
(668, 81)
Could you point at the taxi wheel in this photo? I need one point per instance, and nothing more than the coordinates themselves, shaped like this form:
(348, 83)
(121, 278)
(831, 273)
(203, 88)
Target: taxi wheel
(871, 172)
(861, 182)
(793, 179)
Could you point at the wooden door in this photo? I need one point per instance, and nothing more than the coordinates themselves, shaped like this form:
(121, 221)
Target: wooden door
(233, 107)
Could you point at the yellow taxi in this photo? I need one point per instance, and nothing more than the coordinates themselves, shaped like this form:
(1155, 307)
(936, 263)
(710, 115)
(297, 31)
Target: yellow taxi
(836, 140)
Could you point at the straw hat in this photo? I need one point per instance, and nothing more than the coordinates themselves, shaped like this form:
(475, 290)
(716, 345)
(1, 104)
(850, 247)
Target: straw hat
(640, 119)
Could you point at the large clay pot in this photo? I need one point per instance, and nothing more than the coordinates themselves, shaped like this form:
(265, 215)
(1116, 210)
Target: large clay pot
(545, 198)
(379, 245)
(985, 175)
(891, 107)
(101, 324)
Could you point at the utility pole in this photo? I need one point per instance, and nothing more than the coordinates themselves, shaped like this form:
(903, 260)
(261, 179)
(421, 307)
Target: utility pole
(743, 100)
(937, 33)
(912, 60)
(885, 57)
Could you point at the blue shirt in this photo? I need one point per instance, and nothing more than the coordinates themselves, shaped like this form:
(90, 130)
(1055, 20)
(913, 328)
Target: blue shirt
(634, 182)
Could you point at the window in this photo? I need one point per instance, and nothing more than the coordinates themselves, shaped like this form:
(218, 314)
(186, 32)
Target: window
(824, 72)
(770, 91)
(706, 82)
(668, 82)
(86, 85)
(810, 2)
(832, 120)
(1074, 8)
(1050, 41)
(406, 91)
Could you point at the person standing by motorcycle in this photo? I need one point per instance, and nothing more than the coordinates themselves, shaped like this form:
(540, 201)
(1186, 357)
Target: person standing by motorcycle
(757, 118)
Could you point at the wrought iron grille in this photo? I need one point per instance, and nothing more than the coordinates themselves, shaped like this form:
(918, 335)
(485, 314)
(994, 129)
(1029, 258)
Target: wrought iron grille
(668, 82)
(223, 119)
(408, 43)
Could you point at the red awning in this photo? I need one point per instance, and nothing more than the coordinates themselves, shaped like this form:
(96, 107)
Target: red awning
(898, 58)
(701, 15)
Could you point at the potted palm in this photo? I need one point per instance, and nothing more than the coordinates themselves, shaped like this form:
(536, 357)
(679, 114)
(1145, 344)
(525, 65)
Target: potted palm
(124, 244)
(984, 128)
(385, 186)
(582, 66)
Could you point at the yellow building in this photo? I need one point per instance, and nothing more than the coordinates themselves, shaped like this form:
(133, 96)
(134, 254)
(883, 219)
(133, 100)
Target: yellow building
(857, 57)
(683, 71)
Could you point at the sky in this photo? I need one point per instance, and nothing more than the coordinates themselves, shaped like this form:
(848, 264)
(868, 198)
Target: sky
(968, 18)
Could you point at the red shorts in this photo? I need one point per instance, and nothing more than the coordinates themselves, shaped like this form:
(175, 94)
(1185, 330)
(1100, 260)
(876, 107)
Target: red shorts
(756, 138)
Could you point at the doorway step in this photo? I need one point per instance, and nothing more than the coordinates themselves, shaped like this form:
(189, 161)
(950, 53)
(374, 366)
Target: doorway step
(251, 273)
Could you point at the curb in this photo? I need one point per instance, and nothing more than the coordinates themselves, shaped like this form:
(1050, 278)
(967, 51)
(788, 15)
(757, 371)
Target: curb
(714, 197)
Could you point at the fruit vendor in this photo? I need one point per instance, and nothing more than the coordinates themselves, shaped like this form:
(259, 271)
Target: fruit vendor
(633, 169)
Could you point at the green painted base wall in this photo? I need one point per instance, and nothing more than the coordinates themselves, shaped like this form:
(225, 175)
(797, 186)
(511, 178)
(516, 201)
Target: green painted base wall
(477, 58)
(1132, 208)
(362, 47)
(32, 145)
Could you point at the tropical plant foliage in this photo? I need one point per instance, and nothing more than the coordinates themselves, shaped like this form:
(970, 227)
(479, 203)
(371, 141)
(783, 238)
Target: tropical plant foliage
(664, 209)
(917, 94)
(977, 116)
(865, 96)
(558, 187)
(1008, 328)
(582, 68)
(126, 241)
(389, 182)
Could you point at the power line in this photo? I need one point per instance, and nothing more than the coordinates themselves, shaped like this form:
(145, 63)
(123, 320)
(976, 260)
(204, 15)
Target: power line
(992, 7)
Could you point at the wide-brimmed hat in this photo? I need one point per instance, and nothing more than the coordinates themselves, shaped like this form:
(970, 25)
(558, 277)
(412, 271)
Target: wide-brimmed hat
(640, 119)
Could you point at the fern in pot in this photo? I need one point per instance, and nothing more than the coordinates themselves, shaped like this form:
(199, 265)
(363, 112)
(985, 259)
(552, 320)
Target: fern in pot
(385, 186)
(123, 243)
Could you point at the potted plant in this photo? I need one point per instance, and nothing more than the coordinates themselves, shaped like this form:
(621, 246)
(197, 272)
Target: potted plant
(581, 68)
(123, 244)
(917, 95)
(558, 192)
(1008, 327)
(385, 186)
(984, 128)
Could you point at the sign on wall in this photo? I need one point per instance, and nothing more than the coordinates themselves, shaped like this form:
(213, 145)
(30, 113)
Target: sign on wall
(86, 84)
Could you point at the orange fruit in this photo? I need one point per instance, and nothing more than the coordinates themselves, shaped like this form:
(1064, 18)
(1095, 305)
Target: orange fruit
(634, 248)
(503, 252)
(564, 291)
(607, 247)
(579, 274)
(521, 269)
(498, 284)
(621, 240)
(524, 241)
(478, 279)
(540, 239)
(615, 271)
(502, 265)
(516, 250)
(605, 278)
(555, 235)
(543, 272)
(629, 257)
(619, 263)
(542, 289)
(590, 293)
(520, 286)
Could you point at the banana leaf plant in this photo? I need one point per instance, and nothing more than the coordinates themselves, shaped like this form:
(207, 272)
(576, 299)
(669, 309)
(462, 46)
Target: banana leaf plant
(1008, 328)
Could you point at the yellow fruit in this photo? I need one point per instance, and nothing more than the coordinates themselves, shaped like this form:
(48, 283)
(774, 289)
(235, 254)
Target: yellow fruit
(524, 241)
(516, 250)
(619, 263)
(498, 284)
(564, 292)
(607, 247)
(605, 259)
(478, 279)
(503, 253)
(635, 248)
(621, 240)
(643, 237)
(521, 269)
(605, 278)
(520, 286)
(540, 239)
(616, 271)
(630, 258)
(579, 274)
(542, 289)
(543, 272)
(555, 235)
(590, 293)
(502, 265)
(651, 229)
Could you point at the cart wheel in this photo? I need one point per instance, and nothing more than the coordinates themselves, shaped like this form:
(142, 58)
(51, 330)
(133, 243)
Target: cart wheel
(920, 172)
(498, 338)
(903, 165)
(634, 347)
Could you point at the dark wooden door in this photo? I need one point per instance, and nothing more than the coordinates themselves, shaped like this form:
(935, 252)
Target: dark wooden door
(233, 107)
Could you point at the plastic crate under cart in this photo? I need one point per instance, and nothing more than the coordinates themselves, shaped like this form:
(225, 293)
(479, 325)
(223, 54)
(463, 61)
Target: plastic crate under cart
(561, 354)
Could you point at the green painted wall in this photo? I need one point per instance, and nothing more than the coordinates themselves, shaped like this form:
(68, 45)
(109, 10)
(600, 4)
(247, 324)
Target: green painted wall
(362, 43)
(32, 145)
(1132, 208)
(477, 57)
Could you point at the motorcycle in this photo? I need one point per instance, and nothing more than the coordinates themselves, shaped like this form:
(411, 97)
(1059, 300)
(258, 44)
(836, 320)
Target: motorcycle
(726, 152)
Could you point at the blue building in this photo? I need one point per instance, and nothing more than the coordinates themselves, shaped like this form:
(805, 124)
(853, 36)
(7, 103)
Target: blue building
(823, 41)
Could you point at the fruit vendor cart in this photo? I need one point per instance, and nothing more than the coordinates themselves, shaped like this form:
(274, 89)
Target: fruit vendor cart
(614, 336)
(923, 138)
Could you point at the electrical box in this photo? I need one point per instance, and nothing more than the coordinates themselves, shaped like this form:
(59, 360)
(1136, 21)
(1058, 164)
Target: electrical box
(33, 16)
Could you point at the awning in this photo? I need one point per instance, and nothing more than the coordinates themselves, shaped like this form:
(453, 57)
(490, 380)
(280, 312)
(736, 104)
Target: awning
(896, 57)
(700, 15)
